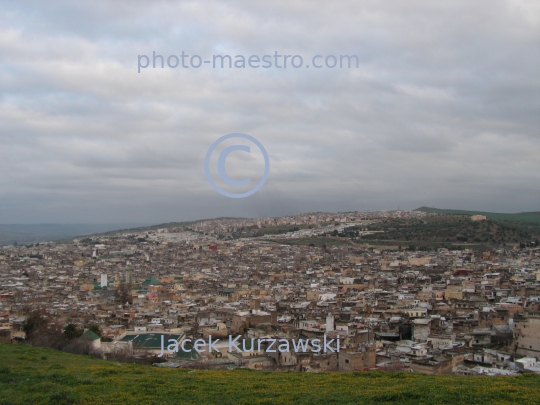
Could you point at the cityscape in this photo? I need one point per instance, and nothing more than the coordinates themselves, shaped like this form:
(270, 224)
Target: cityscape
(457, 309)
(232, 202)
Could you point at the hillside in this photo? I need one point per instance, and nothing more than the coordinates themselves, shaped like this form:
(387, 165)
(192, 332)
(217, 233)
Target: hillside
(23, 234)
(31, 233)
(449, 230)
(159, 226)
(527, 217)
(43, 376)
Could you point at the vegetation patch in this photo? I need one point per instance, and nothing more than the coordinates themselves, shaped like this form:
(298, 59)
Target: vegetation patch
(448, 231)
(85, 380)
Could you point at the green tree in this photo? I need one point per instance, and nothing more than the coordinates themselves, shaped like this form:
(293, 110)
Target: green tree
(95, 328)
(71, 331)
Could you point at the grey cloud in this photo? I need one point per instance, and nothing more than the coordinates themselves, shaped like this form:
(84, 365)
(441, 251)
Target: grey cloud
(443, 109)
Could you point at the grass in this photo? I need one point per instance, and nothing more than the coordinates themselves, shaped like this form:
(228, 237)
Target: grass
(42, 376)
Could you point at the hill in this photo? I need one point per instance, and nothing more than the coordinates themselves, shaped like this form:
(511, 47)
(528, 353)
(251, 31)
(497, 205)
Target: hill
(527, 217)
(450, 230)
(31, 233)
(158, 226)
(42, 376)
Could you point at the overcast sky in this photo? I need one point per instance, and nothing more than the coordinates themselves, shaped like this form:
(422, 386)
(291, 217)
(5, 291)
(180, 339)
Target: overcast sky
(443, 110)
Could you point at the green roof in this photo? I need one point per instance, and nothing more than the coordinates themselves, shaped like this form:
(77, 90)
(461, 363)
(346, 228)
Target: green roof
(152, 280)
(89, 336)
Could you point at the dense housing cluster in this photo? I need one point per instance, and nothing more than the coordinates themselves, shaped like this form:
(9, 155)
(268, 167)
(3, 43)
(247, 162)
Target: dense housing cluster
(442, 310)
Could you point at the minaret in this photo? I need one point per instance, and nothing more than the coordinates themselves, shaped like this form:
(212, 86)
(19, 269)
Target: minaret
(129, 276)
(329, 322)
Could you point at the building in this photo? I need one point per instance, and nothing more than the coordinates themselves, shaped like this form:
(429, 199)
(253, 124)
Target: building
(527, 336)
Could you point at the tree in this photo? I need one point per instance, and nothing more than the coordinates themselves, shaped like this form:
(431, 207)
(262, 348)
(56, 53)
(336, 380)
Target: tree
(36, 321)
(123, 294)
(42, 331)
(95, 328)
(72, 332)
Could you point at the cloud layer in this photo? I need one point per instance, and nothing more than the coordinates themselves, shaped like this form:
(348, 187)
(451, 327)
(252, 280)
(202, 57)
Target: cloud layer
(443, 110)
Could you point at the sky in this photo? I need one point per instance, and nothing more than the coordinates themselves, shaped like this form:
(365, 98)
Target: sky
(443, 109)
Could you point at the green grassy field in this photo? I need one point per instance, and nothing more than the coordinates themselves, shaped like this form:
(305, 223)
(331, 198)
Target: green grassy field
(42, 376)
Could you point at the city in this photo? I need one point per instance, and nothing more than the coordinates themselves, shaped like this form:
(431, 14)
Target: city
(283, 202)
(453, 309)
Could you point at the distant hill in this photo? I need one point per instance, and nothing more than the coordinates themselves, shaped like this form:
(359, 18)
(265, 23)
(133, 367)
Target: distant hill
(31, 233)
(527, 217)
(159, 226)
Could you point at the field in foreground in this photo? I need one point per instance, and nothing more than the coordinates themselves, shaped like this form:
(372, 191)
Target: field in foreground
(41, 376)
